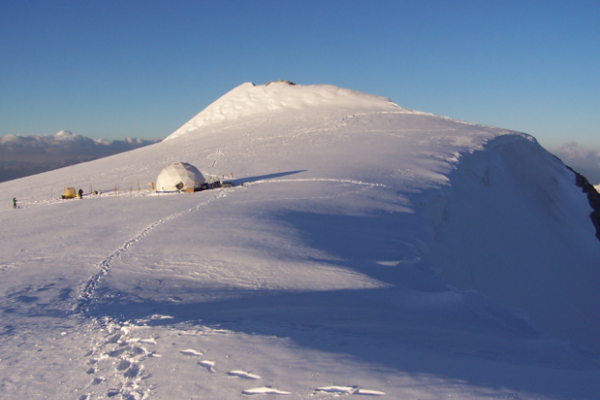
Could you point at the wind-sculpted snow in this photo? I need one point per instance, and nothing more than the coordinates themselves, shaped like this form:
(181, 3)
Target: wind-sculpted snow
(529, 236)
(363, 250)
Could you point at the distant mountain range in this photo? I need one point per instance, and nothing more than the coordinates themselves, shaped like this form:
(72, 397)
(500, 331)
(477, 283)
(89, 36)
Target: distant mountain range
(22, 156)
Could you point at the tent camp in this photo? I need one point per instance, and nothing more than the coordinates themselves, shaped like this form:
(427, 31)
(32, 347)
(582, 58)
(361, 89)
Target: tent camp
(179, 176)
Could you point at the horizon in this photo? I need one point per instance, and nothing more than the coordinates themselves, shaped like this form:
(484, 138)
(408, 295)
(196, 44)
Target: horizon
(143, 69)
(22, 156)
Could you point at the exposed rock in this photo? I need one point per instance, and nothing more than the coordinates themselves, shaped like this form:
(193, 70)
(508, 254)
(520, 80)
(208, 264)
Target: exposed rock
(593, 198)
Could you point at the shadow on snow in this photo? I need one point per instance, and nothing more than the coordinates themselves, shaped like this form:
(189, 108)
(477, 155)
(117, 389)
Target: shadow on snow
(393, 325)
(251, 179)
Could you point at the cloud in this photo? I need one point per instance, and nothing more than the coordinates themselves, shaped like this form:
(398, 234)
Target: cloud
(63, 145)
(27, 155)
(584, 161)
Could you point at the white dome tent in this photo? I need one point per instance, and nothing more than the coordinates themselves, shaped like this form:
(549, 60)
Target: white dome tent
(179, 176)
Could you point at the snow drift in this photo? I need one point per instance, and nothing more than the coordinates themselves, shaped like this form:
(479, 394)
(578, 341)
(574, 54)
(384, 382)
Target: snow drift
(371, 250)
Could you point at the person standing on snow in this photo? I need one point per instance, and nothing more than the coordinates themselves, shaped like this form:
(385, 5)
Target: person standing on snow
(80, 193)
(14, 202)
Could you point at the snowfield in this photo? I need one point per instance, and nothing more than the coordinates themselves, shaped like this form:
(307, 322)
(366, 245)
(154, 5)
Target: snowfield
(365, 250)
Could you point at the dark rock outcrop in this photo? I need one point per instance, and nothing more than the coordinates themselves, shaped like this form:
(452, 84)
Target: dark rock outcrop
(593, 198)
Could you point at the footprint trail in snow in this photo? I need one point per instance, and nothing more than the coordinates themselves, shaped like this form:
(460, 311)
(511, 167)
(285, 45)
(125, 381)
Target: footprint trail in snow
(116, 363)
(86, 298)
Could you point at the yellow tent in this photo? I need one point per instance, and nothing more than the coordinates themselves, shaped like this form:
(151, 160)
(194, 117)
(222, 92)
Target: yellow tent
(70, 193)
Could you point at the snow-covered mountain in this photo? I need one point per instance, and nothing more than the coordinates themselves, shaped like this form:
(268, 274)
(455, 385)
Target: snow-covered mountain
(365, 249)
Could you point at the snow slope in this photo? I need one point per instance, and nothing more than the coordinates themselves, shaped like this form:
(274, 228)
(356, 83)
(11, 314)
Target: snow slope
(371, 250)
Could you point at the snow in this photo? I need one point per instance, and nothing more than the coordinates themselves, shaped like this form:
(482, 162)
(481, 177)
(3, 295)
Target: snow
(372, 250)
(190, 352)
(264, 390)
(243, 374)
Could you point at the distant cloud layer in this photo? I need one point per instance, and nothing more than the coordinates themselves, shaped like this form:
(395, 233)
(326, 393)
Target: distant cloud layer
(584, 161)
(26, 155)
(63, 144)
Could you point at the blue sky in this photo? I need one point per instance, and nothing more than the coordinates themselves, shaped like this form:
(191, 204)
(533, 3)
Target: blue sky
(111, 69)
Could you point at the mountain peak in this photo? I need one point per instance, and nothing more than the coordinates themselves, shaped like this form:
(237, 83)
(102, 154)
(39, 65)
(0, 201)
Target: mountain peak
(249, 101)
